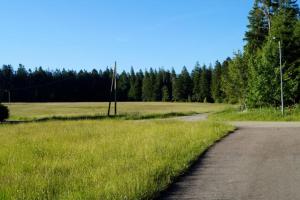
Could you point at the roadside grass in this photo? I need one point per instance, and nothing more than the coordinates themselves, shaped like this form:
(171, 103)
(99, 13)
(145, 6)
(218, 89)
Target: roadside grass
(42, 111)
(107, 159)
(262, 114)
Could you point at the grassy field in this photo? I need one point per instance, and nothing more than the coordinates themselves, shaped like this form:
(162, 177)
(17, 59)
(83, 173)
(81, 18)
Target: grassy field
(263, 114)
(30, 111)
(107, 159)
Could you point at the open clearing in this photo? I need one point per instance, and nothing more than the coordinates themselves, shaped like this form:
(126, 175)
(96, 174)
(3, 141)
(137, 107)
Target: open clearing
(259, 161)
(107, 159)
(29, 111)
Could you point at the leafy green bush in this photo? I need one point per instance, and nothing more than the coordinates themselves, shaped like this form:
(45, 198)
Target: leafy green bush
(4, 113)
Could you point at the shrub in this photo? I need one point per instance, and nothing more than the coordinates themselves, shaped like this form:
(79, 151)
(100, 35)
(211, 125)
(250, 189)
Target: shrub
(4, 113)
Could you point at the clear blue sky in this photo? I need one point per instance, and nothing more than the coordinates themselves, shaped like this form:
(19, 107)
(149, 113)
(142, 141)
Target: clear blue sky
(86, 34)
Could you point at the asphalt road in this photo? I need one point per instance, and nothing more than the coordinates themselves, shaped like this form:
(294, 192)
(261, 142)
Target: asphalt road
(258, 161)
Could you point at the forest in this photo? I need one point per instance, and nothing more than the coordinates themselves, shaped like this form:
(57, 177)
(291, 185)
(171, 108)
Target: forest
(251, 77)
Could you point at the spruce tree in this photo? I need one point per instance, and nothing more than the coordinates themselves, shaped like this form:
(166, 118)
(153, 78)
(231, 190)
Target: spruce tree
(175, 95)
(196, 77)
(184, 85)
(216, 91)
(147, 87)
(132, 95)
(205, 82)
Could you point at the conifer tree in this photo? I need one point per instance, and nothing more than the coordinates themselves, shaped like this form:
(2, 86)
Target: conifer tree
(216, 91)
(132, 94)
(174, 85)
(196, 77)
(147, 87)
(205, 84)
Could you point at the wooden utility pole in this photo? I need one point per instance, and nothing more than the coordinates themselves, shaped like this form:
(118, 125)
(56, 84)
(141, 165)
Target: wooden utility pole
(113, 87)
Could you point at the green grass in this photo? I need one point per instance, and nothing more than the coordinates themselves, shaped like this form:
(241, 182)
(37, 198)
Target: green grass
(263, 114)
(107, 159)
(36, 111)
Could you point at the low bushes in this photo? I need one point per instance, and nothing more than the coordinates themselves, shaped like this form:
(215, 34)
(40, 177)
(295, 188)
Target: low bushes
(4, 113)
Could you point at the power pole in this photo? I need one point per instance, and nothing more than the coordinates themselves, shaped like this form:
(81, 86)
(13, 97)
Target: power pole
(113, 87)
(281, 77)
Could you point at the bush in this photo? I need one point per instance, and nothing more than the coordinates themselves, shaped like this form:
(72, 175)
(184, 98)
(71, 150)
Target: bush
(4, 113)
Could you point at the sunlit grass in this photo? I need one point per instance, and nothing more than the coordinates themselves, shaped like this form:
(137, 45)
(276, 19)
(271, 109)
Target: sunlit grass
(258, 114)
(29, 111)
(108, 159)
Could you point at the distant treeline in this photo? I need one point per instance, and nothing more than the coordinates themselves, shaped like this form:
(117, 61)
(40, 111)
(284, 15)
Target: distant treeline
(203, 84)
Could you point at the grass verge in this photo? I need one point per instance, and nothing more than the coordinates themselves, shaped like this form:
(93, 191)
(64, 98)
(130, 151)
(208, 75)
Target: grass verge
(108, 159)
(262, 114)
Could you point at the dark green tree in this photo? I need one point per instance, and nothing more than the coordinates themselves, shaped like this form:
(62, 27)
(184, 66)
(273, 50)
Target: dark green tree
(196, 77)
(216, 91)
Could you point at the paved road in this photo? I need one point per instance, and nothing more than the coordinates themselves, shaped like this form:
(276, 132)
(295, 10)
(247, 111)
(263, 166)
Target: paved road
(260, 161)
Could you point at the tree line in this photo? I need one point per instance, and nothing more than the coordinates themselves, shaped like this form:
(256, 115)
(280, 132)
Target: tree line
(39, 85)
(250, 77)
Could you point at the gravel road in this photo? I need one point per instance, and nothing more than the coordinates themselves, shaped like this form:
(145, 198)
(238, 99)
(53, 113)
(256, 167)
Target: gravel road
(260, 161)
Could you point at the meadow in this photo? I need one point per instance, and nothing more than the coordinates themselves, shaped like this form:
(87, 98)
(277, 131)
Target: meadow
(34, 111)
(103, 159)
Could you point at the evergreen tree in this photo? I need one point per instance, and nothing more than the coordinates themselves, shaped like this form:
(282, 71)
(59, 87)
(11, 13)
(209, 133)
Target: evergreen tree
(159, 83)
(165, 94)
(196, 76)
(174, 85)
(184, 85)
(216, 90)
(123, 86)
(167, 82)
(205, 81)
(132, 93)
(236, 85)
(139, 85)
(257, 30)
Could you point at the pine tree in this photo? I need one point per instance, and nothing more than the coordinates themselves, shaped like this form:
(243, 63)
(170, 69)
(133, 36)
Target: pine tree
(184, 85)
(132, 94)
(237, 86)
(165, 94)
(174, 78)
(147, 87)
(196, 76)
(159, 83)
(167, 82)
(139, 85)
(257, 29)
(205, 82)
(123, 86)
(216, 90)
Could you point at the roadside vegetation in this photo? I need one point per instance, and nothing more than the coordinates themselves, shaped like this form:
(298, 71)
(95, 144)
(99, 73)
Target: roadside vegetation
(4, 112)
(128, 110)
(258, 114)
(109, 159)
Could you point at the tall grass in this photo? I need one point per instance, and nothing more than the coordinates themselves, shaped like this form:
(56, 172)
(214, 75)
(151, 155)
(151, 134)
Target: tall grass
(108, 159)
(259, 114)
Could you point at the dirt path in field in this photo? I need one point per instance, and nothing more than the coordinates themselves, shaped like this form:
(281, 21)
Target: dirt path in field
(259, 161)
(192, 118)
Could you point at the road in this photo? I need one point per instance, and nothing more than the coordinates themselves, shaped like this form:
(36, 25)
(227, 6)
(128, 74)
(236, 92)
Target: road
(261, 160)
